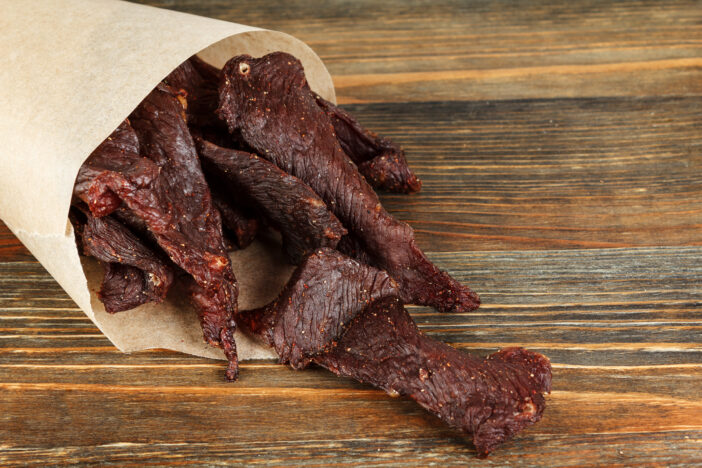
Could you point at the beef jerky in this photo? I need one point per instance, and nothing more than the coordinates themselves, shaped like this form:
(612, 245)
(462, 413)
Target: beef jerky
(286, 202)
(240, 225)
(351, 246)
(347, 317)
(193, 236)
(118, 154)
(382, 162)
(209, 305)
(134, 274)
(269, 103)
(168, 192)
(199, 81)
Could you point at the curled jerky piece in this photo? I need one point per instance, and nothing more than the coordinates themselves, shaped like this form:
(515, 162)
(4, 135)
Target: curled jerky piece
(382, 162)
(346, 317)
(286, 202)
(267, 101)
(119, 154)
(134, 274)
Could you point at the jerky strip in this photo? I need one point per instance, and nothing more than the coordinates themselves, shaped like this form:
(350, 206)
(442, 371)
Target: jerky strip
(269, 103)
(346, 317)
(217, 327)
(382, 162)
(200, 81)
(134, 274)
(168, 193)
(192, 235)
(118, 153)
(285, 201)
(242, 227)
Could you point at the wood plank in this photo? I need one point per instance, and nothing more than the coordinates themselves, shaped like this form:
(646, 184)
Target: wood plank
(554, 174)
(456, 50)
(578, 306)
(560, 149)
(542, 174)
(80, 415)
(11, 250)
(672, 449)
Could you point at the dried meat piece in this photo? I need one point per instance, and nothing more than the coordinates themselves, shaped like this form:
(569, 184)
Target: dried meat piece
(346, 317)
(325, 293)
(217, 327)
(200, 82)
(119, 153)
(134, 274)
(286, 202)
(241, 226)
(269, 103)
(382, 162)
(192, 235)
(350, 245)
(167, 191)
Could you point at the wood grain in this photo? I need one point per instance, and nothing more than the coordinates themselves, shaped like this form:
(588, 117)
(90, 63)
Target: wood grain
(10, 248)
(474, 50)
(543, 174)
(621, 327)
(561, 155)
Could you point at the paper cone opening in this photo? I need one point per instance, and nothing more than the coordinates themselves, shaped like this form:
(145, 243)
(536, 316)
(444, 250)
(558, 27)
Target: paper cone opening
(75, 69)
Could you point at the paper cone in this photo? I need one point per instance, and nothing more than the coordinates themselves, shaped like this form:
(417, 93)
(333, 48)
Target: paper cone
(72, 70)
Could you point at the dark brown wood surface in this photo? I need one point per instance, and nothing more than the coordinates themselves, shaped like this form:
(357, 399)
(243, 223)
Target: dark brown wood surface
(560, 146)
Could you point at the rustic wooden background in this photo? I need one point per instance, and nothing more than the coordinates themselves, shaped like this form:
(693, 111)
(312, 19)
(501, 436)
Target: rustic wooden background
(560, 146)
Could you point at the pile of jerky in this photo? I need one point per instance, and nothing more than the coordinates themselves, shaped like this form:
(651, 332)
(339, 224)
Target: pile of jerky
(210, 158)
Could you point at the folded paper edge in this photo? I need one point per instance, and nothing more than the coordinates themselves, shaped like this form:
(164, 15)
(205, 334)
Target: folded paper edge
(58, 252)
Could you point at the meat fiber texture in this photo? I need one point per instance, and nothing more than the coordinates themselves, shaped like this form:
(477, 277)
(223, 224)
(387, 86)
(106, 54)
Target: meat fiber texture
(73, 70)
(291, 130)
(348, 317)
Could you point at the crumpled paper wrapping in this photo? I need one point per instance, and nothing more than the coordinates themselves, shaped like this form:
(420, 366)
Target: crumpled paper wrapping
(71, 71)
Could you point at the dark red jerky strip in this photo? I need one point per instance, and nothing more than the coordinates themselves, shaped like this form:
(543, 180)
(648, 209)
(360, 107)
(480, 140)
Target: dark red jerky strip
(167, 192)
(347, 317)
(217, 327)
(240, 225)
(326, 291)
(200, 82)
(268, 102)
(286, 202)
(118, 154)
(187, 227)
(490, 399)
(382, 162)
(349, 245)
(134, 274)
(186, 231)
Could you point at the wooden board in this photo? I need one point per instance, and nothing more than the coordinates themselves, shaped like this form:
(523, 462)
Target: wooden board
(562, 160)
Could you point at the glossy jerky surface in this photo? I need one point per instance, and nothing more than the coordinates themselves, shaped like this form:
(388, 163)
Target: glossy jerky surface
(134, 274)
(347, 317)
(382, 162)
(167, 194)
(286, 202)
(191, 230)
(267, 101)
(115, 162)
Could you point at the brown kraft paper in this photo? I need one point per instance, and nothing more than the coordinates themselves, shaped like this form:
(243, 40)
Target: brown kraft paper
(71, 71)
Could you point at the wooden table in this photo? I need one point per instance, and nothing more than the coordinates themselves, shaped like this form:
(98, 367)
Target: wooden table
(561, 151)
